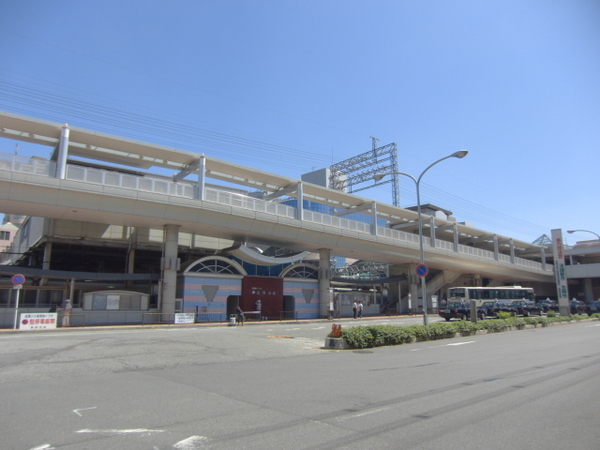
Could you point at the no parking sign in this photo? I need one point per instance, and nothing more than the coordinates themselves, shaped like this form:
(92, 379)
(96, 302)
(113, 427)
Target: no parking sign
(422, 270)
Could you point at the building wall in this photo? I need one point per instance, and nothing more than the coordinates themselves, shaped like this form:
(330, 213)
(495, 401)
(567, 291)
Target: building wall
(306, 295)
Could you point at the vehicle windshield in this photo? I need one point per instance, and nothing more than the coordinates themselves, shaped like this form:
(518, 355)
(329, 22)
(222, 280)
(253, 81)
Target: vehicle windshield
(455, 305)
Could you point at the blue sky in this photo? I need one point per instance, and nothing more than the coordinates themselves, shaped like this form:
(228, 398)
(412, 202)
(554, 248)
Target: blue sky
(292, 86)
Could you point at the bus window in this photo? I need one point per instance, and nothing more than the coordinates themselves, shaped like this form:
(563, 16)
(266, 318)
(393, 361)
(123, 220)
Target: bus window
(474, 294)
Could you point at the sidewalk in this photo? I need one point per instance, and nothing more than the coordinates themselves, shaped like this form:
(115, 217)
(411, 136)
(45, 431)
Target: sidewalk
(210, 324)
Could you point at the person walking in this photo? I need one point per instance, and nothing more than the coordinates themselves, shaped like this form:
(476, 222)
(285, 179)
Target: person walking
(240, 316)
(360, 310)
(355, 309)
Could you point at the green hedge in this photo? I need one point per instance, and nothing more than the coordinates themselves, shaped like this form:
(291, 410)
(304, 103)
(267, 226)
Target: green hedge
(369, 336)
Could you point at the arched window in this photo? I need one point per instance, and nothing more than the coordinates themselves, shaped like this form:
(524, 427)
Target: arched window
(304, 271)
(216, 265)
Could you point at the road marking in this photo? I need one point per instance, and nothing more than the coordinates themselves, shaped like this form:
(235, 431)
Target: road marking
(132, 431)
(366, 413)
(76, 411)
(318, 328)
(445, 345)
(461, 343)
(191, 443)
(43, 447)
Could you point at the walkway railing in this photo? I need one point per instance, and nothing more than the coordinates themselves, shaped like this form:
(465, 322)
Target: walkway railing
(185, 189)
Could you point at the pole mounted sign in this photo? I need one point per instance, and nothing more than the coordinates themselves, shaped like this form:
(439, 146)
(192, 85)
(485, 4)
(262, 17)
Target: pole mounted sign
(422, 270)
(18, 279)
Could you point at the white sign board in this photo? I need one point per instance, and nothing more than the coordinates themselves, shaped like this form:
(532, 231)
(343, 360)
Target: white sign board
(112, 301)
(185, 318)
(37, 321)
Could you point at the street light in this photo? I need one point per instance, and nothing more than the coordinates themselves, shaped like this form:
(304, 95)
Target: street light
(378, 177)
(585, 231)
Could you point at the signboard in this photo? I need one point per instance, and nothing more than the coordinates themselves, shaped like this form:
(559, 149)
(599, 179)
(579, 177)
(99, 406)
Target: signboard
(185, 318)
(562, 291)
(37, 321)
(422, 270)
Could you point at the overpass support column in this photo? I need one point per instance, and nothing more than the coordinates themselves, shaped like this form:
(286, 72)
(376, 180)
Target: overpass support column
(170, 266)
(413, 288)
(63, 152)
(395, 290)
(324, 280)
(588, 289)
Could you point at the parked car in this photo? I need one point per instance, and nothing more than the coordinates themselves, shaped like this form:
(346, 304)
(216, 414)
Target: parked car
(490, 309)
(548, 305)
(527, 309)
(459, 310)
(506, 306)
(577, 307)
(592, 307)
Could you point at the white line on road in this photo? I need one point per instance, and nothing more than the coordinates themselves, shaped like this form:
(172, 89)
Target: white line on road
(135, 430)
(76, 411)
(43, 447)
(445, 345)
(366, 413)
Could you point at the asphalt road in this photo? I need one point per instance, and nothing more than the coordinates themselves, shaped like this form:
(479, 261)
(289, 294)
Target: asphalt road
(272, 386)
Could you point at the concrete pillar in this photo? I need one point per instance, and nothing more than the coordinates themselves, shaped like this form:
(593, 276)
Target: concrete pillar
(512, 251)
(496, 248)
(324, 280)
(455, 233)
(170, 266)
(414, 283)
(588, 289)
(374, 218)
(201, 178)
(63, 153)
(432, 231)
(395, 289)
(300, 201)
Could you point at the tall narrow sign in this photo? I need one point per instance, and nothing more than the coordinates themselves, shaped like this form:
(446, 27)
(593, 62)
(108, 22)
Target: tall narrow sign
(562, 290)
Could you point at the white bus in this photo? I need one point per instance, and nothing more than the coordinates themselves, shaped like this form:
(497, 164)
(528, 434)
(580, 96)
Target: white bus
(468, 293)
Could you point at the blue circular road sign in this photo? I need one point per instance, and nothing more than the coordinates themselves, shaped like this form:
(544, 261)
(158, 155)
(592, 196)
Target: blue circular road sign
(18, 279)
(422, 270)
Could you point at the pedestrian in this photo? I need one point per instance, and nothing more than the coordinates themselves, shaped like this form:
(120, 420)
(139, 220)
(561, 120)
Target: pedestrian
(360, 310)
(355, 309)
(240, 316)
(66, 310)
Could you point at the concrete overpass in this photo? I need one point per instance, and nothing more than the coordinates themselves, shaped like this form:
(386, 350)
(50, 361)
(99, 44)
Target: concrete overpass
(63, 188)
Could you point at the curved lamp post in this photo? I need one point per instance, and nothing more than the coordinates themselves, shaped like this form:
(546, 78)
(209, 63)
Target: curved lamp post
(378, 177)
(585, 231)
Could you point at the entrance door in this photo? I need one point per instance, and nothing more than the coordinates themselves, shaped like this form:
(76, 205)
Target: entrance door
(289, 307)
(232, 303)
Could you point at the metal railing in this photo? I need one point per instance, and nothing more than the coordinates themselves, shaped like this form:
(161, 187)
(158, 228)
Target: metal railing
(185, 189)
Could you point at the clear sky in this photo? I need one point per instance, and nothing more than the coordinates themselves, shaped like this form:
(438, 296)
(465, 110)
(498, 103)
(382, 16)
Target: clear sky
(289, 86)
